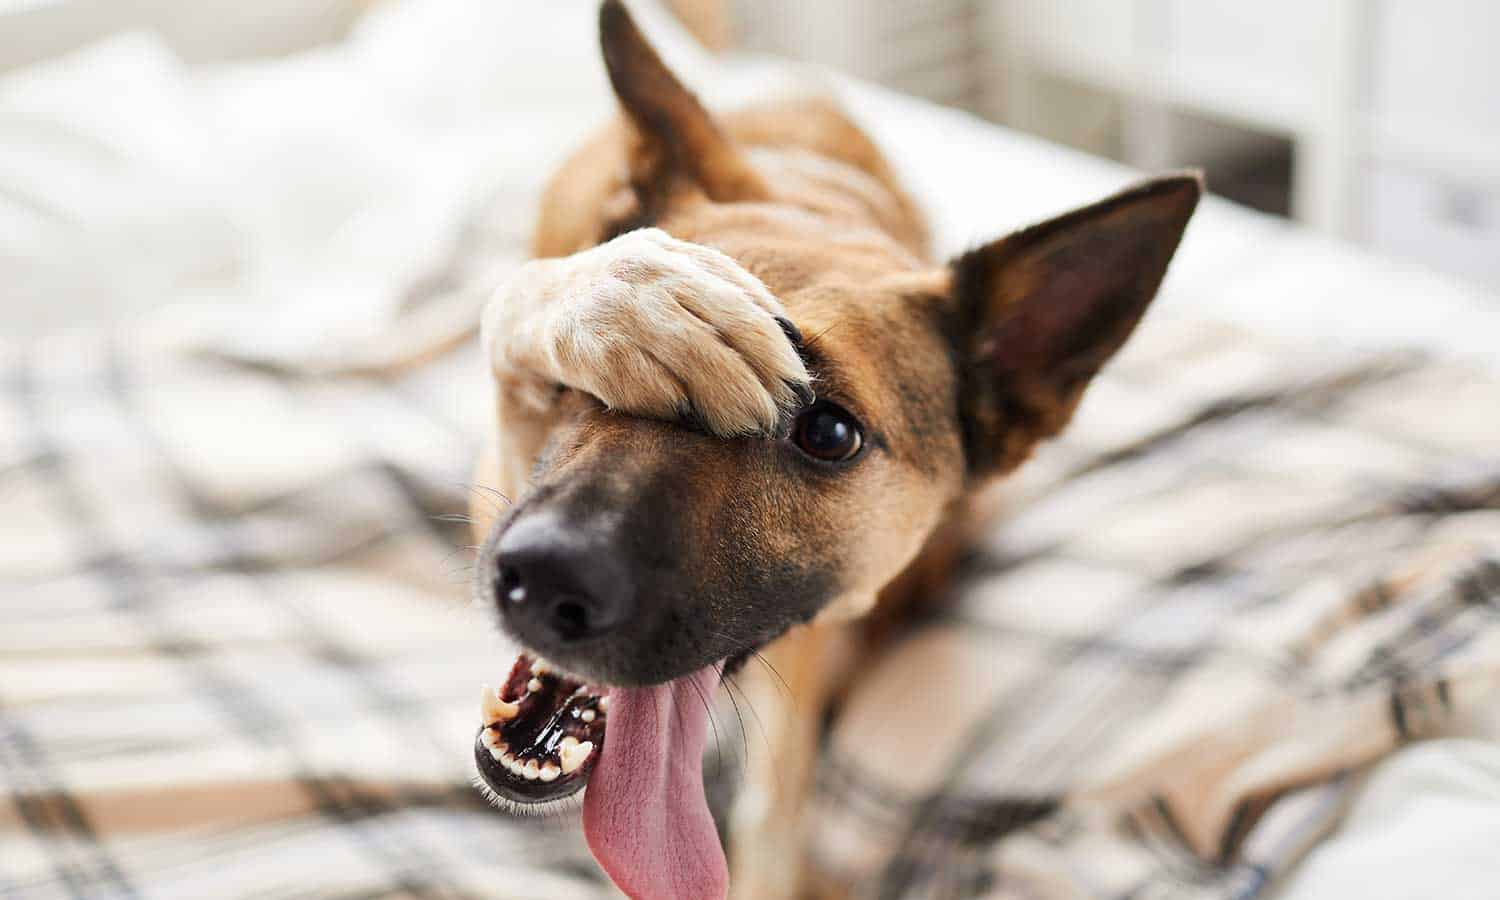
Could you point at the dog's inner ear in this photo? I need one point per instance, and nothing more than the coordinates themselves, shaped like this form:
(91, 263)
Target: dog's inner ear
(1038, 313)
(679, 146)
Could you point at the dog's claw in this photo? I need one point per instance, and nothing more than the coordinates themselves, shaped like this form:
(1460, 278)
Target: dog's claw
(802, 389)
(805, 393)
(792, 332)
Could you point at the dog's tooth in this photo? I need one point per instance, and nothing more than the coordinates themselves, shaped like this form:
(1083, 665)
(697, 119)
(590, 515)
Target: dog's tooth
(532, 771)
(491, 738)
(534, 685)
(587, 715)
(549, 772)
(492, 709)
(604, 703)
(575, 756)
(568, 742)
(539, 667)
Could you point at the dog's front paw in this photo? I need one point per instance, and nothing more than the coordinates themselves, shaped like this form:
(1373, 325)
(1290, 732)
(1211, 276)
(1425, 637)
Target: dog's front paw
(652, 326)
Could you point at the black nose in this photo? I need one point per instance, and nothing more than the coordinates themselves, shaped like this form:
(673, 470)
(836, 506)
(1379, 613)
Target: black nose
(559, 583)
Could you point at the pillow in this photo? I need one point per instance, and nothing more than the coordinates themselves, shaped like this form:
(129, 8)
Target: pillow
(308, 192)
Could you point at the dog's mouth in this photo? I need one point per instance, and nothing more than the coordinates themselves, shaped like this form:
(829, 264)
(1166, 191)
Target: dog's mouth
(542, 737)
(540, 733)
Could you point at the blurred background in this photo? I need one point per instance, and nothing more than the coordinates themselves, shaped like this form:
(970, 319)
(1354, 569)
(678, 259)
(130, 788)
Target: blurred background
(1374, 122)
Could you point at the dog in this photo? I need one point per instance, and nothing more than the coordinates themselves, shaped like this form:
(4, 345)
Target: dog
(740, 412)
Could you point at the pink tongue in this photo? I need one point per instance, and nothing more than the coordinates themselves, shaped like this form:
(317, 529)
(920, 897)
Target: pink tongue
(644, 812)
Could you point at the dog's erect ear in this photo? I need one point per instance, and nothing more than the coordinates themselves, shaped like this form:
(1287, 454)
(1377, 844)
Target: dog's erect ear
(1038, 313)
(678, 138)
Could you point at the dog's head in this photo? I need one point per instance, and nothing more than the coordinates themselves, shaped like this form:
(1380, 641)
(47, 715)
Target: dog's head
(650, 549)
(644, 551)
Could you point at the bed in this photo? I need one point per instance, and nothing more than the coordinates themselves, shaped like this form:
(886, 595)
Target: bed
(1237, 636)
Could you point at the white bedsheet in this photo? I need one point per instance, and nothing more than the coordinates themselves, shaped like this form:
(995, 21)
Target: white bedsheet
(1426, 823)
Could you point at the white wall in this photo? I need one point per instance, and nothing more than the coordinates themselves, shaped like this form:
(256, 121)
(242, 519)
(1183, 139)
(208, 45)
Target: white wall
(198, 30)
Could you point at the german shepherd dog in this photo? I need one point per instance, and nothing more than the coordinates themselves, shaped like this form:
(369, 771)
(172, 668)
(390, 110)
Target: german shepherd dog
(740, 413)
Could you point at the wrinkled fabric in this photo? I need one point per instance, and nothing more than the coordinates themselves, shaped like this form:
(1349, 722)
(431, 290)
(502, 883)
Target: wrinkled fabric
(1248, 571)
(236, 655)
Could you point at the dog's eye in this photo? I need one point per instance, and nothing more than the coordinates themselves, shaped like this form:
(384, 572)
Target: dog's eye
(828, 433)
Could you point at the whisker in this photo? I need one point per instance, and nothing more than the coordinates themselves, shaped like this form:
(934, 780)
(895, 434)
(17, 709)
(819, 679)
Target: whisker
(729, 689)
(460, 575)
(786, 688)
(493, 492)
(455, 518)
(470, 548)
(760, 725)
(551, 809)
(712, 721)
(497, 500)
(485, 497)
(809, 341)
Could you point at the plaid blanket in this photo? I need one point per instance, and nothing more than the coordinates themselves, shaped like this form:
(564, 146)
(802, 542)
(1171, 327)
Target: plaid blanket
(236, 657)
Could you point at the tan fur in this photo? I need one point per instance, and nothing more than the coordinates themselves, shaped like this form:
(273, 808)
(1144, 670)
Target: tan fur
(850, 230)
(843, 229)
(790, 210)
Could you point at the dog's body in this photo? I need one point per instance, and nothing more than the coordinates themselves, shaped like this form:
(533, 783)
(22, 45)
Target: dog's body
(776, 484)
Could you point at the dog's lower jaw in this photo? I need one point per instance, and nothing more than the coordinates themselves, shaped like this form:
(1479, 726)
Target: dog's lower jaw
(540, 734)
(547, 733)
(543, 737)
